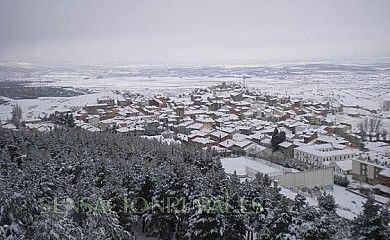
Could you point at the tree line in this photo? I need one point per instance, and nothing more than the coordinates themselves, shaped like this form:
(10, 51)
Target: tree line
(39, 170)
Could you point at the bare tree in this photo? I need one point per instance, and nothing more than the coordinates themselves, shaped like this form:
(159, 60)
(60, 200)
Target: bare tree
(362, 126)
(375, 124)
(385, 106)
(384, 134)
(16, 115)
(369, 126)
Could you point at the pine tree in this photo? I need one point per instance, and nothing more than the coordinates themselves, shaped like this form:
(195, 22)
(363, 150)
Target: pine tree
(101, 225)
(76, 164)
(299, 202)
(70, 120)
(384, 221)
(372, 223)
(324, 227)
(56, 226)
(205, 225)
(282, 137)
(310, 222)
(341, 180)
(275, 139)
(277, 222)
(11, 232)
(234, 210)
(327, 202)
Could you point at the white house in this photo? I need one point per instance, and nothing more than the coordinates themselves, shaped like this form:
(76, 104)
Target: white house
(316, 154)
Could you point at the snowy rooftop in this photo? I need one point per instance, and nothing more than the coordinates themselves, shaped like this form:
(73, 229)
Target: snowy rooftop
(203, 140)
(333, 140)
(219, 134)
(385, 172)
(374, 159)
(227, 143)
(257, 135)
(123, 130)
(378, 147)
(227, 129)
(345, 165)
(242, 144)
(195, 126)
(315, 150)
(285, 144)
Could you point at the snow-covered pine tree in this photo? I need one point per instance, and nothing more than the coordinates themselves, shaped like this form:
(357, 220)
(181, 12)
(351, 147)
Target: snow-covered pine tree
(372, 222)
(99, 226)
(311, 222)
(326, 201)
(205, 224)
(274, 139)
(56, 225)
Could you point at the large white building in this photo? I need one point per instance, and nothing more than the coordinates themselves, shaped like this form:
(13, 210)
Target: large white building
(317, 154)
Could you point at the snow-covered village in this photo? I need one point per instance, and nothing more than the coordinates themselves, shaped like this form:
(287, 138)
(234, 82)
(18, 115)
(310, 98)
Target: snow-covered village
(317, 151)
(152, 131)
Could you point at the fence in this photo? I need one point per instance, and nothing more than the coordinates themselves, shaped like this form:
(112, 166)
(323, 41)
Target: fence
(311, 178)
(273, 165)
(251, 172)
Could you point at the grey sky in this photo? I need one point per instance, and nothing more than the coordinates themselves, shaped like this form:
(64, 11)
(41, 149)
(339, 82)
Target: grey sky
(192, 31)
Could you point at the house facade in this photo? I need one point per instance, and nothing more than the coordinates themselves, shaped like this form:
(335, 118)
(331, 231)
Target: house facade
(317, 154)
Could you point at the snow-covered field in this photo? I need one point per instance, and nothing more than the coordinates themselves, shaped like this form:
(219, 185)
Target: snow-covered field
(366, 85)
(349, 204)
(349, 89)
(33, 108)
(238, 164)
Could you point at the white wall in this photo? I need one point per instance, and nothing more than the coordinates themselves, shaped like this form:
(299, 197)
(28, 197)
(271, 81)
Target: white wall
(318, 177)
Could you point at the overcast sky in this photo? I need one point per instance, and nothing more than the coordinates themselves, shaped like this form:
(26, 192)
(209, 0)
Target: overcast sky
(192, 31)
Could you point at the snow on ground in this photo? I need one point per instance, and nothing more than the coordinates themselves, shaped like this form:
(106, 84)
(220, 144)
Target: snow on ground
(349, 204)
(134, 83)
(238, 164)
(355, 185)
(345, 90)
(365, 87)
(354, 121)
(291, 195)
(32, 108)
(382, 199)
